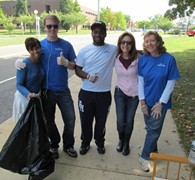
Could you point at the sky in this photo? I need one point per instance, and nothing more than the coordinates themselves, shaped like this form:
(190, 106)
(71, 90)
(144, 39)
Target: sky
(136, 9)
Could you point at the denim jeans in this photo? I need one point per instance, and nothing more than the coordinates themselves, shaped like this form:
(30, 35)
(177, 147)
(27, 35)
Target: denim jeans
(65, 103)
(125, 111)
(153, 131)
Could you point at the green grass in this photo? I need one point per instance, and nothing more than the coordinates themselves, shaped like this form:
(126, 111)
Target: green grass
(183, 48)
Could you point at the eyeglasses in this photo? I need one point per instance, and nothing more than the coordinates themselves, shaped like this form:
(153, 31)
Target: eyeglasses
(126, 42)
(49, 26)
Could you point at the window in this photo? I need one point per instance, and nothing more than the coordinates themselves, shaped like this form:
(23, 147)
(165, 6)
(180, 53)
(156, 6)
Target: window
(47, 8)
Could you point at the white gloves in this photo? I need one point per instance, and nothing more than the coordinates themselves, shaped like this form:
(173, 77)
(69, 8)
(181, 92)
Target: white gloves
(31, 95)
(144, 109)
(61, 60)
(156, 110)
(19, 64)
(92, 77)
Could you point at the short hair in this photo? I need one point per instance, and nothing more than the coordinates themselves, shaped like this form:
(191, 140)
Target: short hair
(161, 48)
(51, 16)
(133, 52)
(31, 42)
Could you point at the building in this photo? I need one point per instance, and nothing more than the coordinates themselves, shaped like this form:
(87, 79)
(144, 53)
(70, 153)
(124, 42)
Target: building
(8, 8)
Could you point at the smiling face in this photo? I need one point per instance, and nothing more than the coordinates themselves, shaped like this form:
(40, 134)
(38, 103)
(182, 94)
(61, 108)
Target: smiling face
(126, 44)
(98, 35)
(35, 53)
(33, 46)
(151, 44)
(51, 27)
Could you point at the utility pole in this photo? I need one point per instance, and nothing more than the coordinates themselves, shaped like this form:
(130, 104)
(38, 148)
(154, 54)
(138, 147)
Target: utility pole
(98, 10)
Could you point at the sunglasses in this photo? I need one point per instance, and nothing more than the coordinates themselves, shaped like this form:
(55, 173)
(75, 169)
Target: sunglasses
(126, 42)
(49, 26)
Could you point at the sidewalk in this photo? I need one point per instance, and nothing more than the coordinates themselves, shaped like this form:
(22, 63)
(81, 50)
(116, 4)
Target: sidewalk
(110, 166)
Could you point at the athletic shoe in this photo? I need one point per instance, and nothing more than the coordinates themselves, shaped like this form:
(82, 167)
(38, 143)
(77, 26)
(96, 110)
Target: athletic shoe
(84, 149)
(101, 150)
(71, 152)
(145, 164)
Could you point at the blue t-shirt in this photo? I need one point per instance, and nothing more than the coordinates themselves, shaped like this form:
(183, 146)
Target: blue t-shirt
(56, 75)
(156, 71)
(29, 79)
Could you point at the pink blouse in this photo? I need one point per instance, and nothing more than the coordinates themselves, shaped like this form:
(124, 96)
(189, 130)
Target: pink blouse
(127, 79)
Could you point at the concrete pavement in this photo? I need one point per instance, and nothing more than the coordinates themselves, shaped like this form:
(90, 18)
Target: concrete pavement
(112, 165)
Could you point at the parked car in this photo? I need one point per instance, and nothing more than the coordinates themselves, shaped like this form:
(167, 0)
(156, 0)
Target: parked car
(190, 32)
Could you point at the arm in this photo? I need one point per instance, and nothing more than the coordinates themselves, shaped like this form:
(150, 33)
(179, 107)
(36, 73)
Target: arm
(61, 60)
(80, 73)
(157, 108)
(71, 65)
(20, 81)
(144, 107)
(167, 91)
(141, 90)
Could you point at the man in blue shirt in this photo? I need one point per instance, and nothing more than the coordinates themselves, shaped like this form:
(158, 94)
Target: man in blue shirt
(57, 56)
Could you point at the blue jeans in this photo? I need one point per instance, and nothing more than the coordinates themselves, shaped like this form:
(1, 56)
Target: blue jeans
(125, 111)
(65, 103)
(153, 131)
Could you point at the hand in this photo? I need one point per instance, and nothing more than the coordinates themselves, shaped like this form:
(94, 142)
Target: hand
(31, 95)
(61, 60)
(19, 64)
(92, 77)
(156, 110)
(144, 109)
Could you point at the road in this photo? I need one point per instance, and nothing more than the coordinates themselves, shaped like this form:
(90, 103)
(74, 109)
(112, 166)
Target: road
(8, 55)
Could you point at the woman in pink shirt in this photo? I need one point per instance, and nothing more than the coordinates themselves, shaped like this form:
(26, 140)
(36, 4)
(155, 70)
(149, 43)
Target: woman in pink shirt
(126, 90)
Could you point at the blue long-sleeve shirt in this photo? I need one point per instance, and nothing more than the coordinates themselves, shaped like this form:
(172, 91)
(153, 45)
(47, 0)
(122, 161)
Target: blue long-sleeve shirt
(29, 79)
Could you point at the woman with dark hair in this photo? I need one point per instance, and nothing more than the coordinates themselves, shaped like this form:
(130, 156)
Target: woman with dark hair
(157, 71)
(126, 90)
(29, 79)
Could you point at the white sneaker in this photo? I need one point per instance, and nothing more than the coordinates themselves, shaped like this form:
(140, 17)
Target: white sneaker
(145, 164)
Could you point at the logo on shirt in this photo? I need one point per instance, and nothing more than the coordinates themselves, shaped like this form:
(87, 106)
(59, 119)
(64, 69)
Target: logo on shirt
(162, 65)
(58, 49)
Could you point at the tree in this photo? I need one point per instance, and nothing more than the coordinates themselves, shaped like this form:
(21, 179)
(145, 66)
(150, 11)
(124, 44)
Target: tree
(108, 17)
(76, 7)
(2, 16)
(21, 8)
(181, 8)
(144, 24)
(73, 19)
(165, 24)
(120, 21)
(158, 21)
(66, 6)
(127, 18)
(28, 19)
(8, 23)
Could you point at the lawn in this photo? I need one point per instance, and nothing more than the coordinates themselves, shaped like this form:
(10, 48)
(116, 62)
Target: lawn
(183, 48)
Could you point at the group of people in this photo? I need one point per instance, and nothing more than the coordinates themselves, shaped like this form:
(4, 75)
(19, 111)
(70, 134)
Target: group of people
(148, 78)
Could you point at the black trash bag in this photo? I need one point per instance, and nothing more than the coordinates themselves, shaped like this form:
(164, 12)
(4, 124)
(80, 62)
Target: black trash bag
(27, 149)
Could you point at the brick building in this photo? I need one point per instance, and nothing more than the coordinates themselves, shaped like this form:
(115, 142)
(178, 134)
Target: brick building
(8, 7)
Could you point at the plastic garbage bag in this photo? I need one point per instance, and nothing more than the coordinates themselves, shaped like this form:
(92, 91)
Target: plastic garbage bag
(27, 149)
